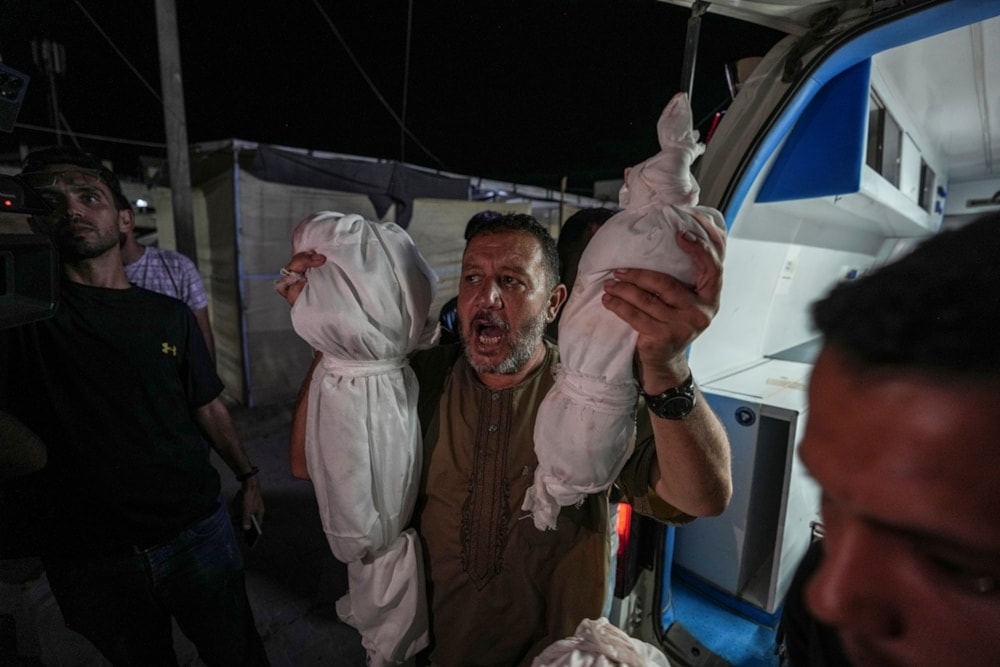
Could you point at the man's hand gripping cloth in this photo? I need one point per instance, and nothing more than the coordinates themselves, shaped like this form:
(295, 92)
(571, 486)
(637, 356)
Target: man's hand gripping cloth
(597, 643)
(365, 309)
(585, 429)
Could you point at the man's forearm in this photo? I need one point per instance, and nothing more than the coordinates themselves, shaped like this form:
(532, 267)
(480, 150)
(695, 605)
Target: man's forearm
(205, 326)
(297, 431)
(217, 423)
(693, 471)
(215, 420)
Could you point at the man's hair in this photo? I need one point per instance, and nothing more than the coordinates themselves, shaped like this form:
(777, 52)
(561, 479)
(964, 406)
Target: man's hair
(573, 229)
(38, 160)
(573, 237)
(937, 309)
(478, 219)
(522, 222)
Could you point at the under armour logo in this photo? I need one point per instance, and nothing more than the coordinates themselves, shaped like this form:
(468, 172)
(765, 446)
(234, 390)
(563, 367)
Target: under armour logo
(169, 349)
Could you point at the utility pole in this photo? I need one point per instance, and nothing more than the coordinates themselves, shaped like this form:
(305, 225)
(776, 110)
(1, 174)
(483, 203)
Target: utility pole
(178, 157)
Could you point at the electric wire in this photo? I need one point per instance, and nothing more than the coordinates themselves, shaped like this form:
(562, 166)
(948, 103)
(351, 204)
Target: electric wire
(98, 137)
(95, 137)
(119, 52)
(406, 79)
(373, 87)
(333, 28)
(69, 130)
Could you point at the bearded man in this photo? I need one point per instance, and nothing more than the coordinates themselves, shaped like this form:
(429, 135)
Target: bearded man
(501, 590)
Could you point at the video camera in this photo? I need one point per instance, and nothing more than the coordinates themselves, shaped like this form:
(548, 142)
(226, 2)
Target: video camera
(29, 264)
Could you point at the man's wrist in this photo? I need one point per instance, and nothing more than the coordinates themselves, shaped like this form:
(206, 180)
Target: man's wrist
(655, 380)
(244, 477)
(674, 403)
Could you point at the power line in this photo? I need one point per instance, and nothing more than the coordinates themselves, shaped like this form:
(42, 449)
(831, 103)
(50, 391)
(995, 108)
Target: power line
(120, 54)
(406, 79)
(72, 134)
(374, 88)
(96, 137)
(371, 84)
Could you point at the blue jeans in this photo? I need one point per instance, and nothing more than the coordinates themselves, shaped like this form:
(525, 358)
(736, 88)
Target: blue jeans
(123, 604)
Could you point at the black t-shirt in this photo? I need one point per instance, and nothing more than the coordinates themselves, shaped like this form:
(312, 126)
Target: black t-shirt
(110, 383)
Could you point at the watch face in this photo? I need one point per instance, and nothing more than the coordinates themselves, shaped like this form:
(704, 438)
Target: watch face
(677, 406)
(674, 403)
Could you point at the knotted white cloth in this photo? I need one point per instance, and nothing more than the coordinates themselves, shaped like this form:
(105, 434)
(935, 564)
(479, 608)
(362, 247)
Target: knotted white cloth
(365, 309)
(582, 443)
(597, 643)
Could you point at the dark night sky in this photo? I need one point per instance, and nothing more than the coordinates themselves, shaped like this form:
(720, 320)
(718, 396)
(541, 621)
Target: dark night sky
(523, 90)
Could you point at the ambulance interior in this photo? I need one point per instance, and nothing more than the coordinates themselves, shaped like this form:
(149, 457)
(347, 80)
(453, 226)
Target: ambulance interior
(885, 135)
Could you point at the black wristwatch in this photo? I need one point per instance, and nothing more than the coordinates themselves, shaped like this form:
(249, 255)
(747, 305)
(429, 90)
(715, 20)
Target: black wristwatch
(675, 403)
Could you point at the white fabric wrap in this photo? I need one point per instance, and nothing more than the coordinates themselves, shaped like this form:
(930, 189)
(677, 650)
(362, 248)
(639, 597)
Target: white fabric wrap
(597, 643)
(585, 429)
(365, 309)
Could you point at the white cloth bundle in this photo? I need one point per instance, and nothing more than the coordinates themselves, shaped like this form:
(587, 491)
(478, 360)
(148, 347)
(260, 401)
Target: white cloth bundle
(585, 429)
(597, 643)
(365, 309)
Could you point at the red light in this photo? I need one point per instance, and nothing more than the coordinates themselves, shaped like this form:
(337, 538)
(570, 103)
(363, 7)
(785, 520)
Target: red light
(715, 124)
(624, 527)
(8, 203)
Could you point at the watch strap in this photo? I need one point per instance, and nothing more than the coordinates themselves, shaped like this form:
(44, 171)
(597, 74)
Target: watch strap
(674, 403)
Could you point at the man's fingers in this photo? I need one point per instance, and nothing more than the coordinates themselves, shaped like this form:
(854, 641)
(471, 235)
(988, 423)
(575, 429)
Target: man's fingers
(307, 259)
(649, 291)
(295, 272)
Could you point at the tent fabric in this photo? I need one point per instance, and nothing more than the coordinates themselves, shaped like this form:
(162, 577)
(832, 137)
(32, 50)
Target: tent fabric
(274, 358)
(366, 309)
(585, 429)
(386, 183)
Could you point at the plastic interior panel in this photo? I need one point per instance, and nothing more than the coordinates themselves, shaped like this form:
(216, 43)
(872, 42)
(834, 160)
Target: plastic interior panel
(932, 21)
(825, 149)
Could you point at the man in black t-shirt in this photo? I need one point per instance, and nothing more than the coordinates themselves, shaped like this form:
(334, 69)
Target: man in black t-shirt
(120, 387)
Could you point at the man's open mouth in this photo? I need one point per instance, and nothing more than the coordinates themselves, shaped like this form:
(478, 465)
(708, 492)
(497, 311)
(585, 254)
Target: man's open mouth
(489, 330)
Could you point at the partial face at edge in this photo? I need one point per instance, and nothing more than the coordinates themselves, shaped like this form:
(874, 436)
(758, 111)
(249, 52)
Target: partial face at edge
(911, 513)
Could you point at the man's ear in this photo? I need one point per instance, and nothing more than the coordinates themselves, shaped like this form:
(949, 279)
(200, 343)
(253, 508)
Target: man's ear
(556, 299)
(126, 220)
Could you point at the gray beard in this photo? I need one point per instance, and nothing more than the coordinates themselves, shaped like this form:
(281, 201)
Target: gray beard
(523, 344)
